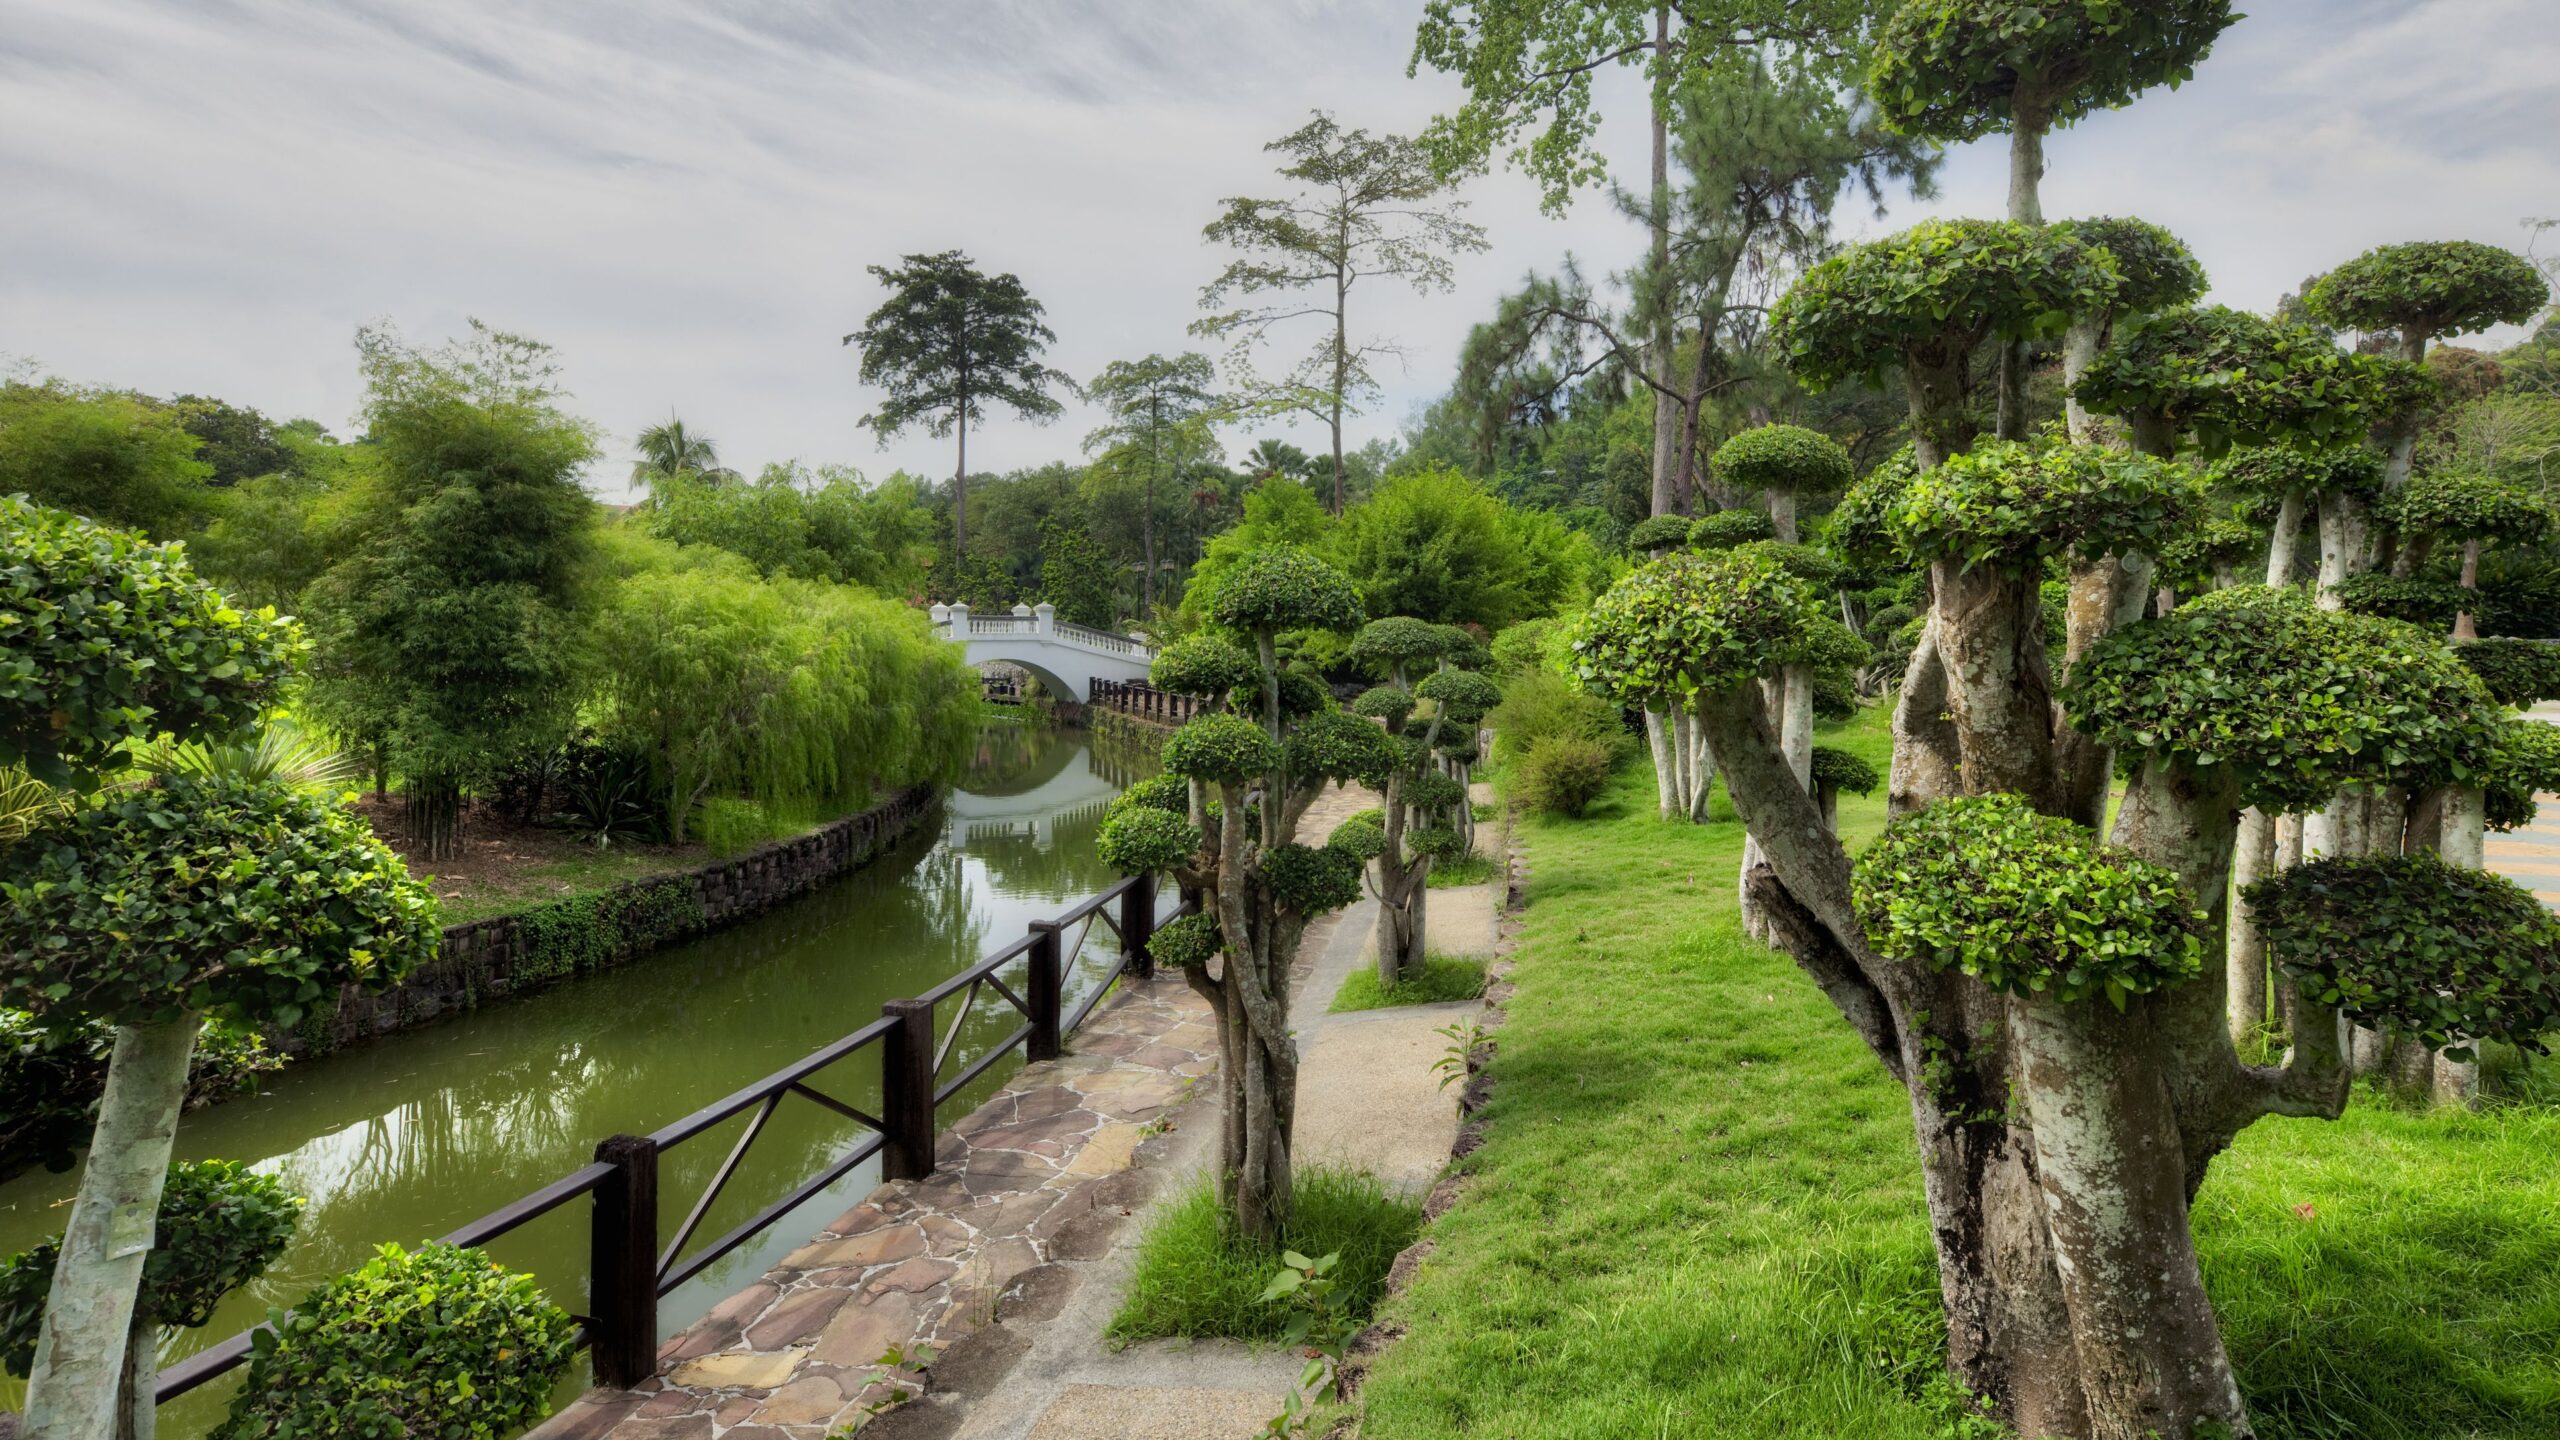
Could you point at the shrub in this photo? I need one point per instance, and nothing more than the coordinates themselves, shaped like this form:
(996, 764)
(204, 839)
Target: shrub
(438, 1341)
(219, 1227)
(1727, 528)
(1562, 775)
(1662, 532)
(1437, 981)
(1782, 457)
(1541, 705)
(588, 932)
(1197, 1276)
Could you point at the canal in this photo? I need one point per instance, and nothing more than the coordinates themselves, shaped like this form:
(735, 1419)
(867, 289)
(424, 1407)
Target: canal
(415, 1134)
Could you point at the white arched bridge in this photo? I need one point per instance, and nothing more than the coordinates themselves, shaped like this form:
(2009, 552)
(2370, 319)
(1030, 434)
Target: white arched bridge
(1066, 659)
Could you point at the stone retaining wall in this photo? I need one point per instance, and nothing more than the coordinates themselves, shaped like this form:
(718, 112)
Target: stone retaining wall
(506, 954)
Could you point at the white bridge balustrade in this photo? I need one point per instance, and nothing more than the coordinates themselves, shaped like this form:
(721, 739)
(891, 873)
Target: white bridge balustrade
(1067, 659)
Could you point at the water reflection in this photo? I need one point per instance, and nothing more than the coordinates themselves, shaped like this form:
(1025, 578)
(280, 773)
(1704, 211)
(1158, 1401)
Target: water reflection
(418, 1133)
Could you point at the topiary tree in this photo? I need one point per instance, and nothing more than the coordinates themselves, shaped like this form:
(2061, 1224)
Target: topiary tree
(1783, 462)
(2429, 290)
(1835, 771)
(1725, 529)
(436, 1341)
(2473, 508)
(2291, 476)
(1957, 70)
(2154, 271)
(218, 1227)
(2207, 557)
(1247, 775)
(1426, 810)
(250, 902)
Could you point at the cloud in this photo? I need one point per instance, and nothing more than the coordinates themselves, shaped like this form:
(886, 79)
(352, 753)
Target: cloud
(682, 195)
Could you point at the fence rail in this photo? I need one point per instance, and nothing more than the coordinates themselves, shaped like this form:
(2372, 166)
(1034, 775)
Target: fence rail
(1137, 697)
(631, 1267)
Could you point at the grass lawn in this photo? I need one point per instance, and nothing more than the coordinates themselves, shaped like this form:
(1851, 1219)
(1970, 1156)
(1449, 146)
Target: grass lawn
(1697, 1212)
(1442, 977)
(1197, 1278)
(1468, 869)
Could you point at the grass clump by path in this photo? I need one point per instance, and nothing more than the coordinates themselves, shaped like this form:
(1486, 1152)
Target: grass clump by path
(1197, 1278)
(1467, 869)
(1697, 1211)
(1442, 977)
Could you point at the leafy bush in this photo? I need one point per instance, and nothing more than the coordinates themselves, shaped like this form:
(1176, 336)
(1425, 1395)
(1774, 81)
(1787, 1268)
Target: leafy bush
(1541, 705)
(1562, 775)
(220, 1226)
(104, 635)
(2517, 672)
(2413, 599)
(588, 932)
(605, 795)
(1661, 532)
(1727, 528)
(440, 1341)
(2443, 953)
(2026, 903)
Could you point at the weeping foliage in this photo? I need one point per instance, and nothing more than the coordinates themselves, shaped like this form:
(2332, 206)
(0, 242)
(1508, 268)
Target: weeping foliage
(796, 694)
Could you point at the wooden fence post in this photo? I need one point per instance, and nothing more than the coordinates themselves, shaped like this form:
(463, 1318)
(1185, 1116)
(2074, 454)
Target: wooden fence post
(623, 1259)
(906, 1090)
(1138, 924)
(1046, 993)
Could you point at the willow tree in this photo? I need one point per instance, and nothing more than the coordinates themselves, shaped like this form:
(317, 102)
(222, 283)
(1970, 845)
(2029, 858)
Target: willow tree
(1224, 821)
(1958, 70)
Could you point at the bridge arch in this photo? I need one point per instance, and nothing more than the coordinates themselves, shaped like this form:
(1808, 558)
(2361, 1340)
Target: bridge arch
(1066, 658)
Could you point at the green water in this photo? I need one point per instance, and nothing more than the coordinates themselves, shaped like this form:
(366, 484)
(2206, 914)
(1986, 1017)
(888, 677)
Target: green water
(415, 1134)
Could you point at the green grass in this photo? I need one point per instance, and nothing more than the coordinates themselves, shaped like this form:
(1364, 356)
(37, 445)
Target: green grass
(1467, 869)
(583, 870)
(1197, 1278)
(1442, 977)
(1696, 1211)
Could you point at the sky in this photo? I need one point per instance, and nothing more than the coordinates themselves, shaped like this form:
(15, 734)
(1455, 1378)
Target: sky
(682, 195)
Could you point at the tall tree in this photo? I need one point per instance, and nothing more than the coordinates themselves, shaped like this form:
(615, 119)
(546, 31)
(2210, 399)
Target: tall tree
(1366, 209)
(1150, 401)
(669, 449)
(948, 342)
(1525, 59)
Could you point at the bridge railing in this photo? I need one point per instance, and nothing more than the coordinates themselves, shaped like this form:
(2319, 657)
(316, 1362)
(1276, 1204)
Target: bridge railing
(1146, 702)
(1042, 621)
(634, 1261)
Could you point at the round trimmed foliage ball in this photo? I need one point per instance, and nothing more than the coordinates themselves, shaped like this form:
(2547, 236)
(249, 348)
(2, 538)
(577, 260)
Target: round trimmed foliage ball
(2011, 504)
(1835, 646)
(220, 1226)
(1431, 790)
(2409, 599)
(1359, 837)
(1339, 746)
(249, 901)
(2436, 288)
(1783, 457)
(2232, 377)
(1802, 561)
(2517, 672)
(106, 637)
(1662, 532)
(1963, 69)
(1725, 529)
(1937, 289)
(2411, 944)
(436, 1341)
(1203, 665)
(1391, 703)
(1440, 842)
(2296, 700)
(1156, 792)
(1142, 839)
(1466, 651)
(1464, 697)
(2524, 764)
(1221, 749)
(2456, 504)
(1458, 746)
(1840, 770)
(1311, 880)
(2027, 903)
(1693, 622)
(2280, 470)
(1301, 695)
(1187, 942)
(2154, 269)
(1285, 587)
(1860, 527)
(1397, 643)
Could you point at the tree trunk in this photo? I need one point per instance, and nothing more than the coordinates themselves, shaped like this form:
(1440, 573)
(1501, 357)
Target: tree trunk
(1782, 514)
(2253, 859)
(2026, 207)
(2464, 627)
(1990, 634)
(1702, 764)
(138, 1396)
(2280, 544)
(960, 499)
(2345, 535)
(2080, 347)
(79, 1370)
(1666, 766)
(2113, 1169)
(2105, 593)
(1666, 410)
(1341, 369)
(1926, 765)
